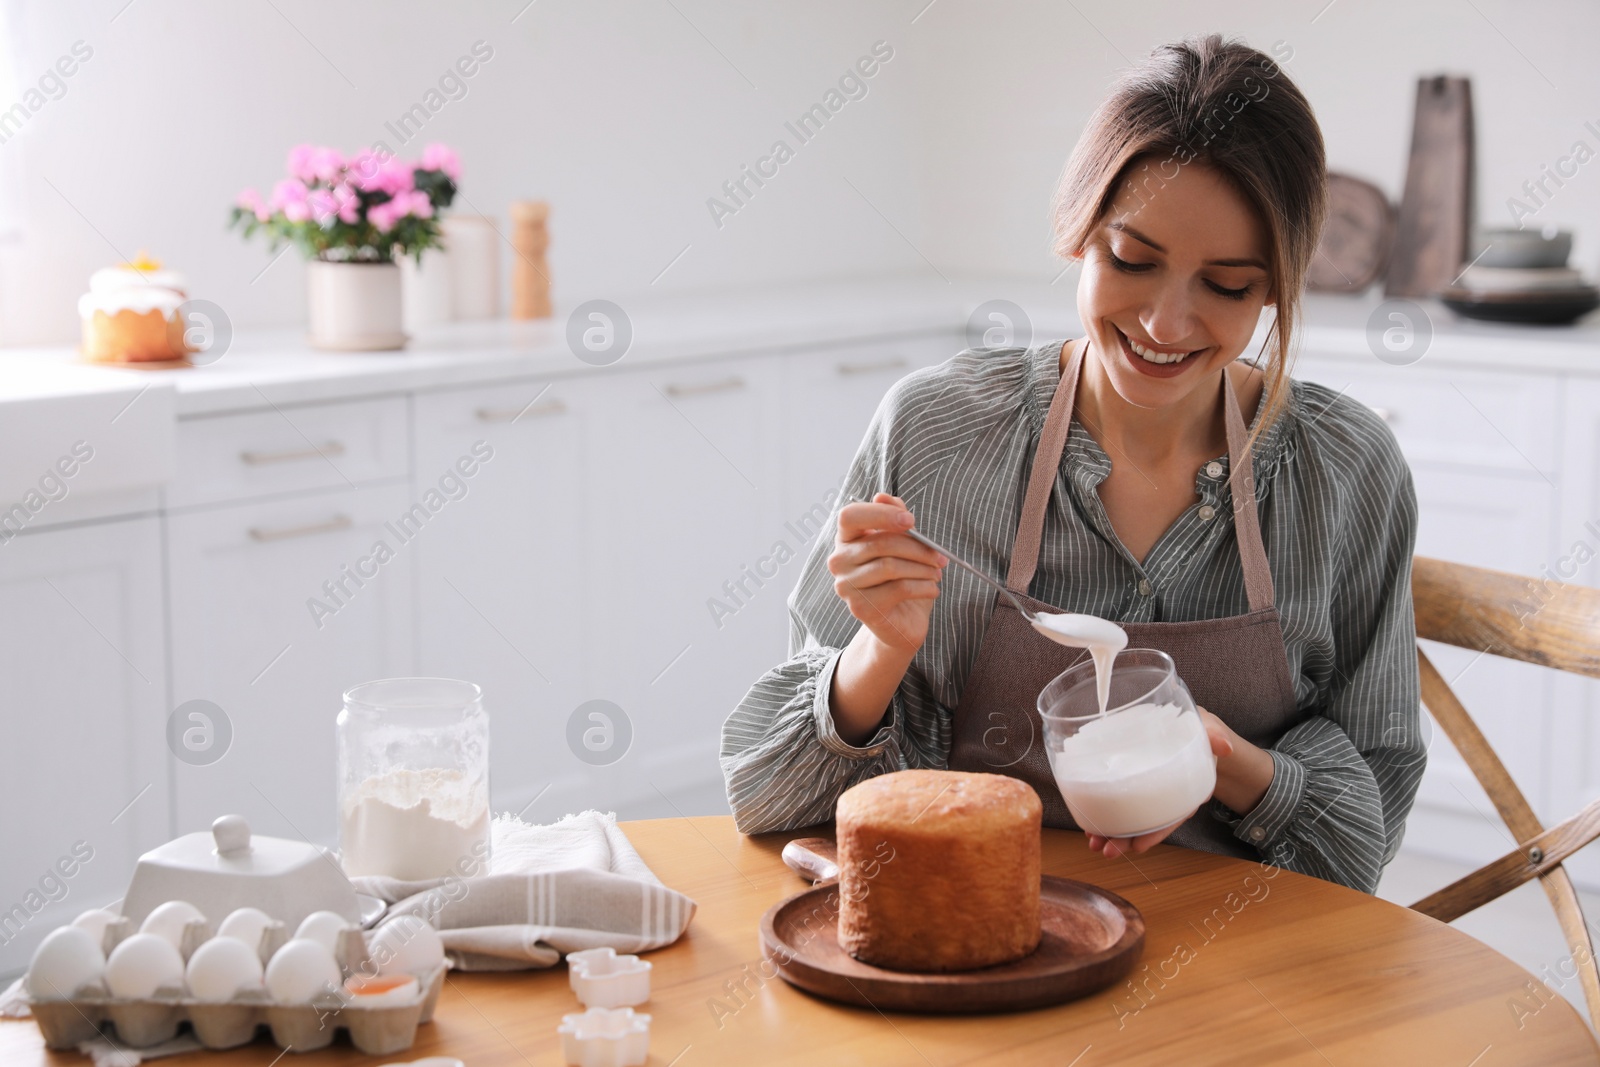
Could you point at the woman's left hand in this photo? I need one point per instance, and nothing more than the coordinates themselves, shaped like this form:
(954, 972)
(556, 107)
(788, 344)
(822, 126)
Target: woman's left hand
(1223, 742)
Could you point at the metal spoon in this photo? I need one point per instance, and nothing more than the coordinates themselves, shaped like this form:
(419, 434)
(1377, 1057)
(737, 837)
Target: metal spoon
(1103, 637)
(915, 536)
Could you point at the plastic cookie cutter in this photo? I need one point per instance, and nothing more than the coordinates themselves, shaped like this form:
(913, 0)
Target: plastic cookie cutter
(605, 1037)
(603, 979)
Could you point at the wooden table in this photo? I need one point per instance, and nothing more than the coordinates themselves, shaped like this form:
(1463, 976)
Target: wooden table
(1238, 967)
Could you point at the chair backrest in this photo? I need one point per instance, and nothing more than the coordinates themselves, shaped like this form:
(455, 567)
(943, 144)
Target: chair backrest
(1533, 620)
(1530, 619)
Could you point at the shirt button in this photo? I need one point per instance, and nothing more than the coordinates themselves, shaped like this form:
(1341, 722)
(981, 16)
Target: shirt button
(1257, 834)
(1214, 469)
(1207, 512)
(1145, 588)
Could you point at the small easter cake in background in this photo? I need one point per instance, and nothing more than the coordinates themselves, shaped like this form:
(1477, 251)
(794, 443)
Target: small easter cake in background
(130, 314)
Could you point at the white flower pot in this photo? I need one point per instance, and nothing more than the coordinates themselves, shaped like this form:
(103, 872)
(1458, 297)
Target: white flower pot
(355, 307)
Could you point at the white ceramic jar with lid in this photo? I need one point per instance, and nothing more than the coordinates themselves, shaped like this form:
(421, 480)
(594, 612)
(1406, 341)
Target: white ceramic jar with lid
(414, 779)
(230, 868)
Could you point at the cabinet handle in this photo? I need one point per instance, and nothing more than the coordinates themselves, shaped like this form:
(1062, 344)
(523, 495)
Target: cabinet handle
(733, 382)
(549, 407)
(893, 363)
(1386, 415)
(333, 525)
(256, 459)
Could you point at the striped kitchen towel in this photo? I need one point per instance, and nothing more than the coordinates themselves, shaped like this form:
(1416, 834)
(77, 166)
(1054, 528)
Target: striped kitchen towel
(574, 884)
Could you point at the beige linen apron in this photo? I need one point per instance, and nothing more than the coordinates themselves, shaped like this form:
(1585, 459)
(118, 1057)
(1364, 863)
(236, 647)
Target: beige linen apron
(1236, 668)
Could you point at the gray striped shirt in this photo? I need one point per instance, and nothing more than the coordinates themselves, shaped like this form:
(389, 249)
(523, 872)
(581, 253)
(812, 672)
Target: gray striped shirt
(1338, 518)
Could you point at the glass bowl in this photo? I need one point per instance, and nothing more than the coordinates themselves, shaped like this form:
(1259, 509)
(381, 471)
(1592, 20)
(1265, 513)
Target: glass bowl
(1143, 766)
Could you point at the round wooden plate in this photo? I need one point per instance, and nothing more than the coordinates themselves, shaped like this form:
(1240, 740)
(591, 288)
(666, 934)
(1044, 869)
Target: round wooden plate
(1356, 239)
(1092, 937)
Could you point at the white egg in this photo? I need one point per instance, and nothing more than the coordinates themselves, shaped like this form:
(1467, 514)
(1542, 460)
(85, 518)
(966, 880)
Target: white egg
(222, 968)
(300, 970)
(323, 927)
(67, 959)
(95, 920)
(246, 925)
(169, 919)
(142, 964)
(406, 944)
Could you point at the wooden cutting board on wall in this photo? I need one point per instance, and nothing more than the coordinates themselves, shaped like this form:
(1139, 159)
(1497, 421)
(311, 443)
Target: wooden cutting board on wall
(1356, 239)
(1436, 209)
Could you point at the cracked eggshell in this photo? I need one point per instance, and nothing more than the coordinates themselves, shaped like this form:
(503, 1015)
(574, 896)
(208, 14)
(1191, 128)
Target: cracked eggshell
(406, 944)
(66, 960)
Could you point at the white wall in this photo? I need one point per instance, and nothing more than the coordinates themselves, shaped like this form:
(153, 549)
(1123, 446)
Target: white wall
(1008, 87)
(627, 117)
(617, 111)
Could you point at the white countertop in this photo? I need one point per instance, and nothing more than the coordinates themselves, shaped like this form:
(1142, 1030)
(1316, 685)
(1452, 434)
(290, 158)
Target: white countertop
(273, 368)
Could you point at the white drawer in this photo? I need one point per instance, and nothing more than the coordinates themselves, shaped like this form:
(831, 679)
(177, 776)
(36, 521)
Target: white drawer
(289, 450)
(1455, 416)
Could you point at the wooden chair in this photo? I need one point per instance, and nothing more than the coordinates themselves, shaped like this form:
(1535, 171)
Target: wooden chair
(1534, 621)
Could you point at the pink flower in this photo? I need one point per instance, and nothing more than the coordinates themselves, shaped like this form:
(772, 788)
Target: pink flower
(419, 204)
(360, 167)
(299, 164)
(289, 197)
(312, 163)
(372, 172)
(251, 201)
(323, 206)
(384, 215)
(408, 202)
(349, 204)
(327, 164)
(442, 157)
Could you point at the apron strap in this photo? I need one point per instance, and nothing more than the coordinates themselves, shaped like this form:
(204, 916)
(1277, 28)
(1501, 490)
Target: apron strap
(1047, 465)
(1246, 516)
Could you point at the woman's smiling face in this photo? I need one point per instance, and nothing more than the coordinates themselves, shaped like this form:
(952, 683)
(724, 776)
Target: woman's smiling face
(1174, 280)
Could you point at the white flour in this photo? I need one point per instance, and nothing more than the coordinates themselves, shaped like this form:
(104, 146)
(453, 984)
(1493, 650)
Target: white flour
(413, 825)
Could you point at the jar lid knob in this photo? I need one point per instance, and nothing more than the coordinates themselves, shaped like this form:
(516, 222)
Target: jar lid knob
(232, 834)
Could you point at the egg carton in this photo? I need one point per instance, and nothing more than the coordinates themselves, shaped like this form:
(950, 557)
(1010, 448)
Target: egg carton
(375, 1029)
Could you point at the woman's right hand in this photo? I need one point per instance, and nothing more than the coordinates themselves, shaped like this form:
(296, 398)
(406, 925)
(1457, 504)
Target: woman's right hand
(888, 580)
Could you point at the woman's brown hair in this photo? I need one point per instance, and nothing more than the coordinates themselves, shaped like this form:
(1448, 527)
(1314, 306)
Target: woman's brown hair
(1231, 107)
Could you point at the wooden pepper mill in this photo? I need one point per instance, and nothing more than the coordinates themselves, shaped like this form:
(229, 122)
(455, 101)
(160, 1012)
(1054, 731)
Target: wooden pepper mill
(530, 277)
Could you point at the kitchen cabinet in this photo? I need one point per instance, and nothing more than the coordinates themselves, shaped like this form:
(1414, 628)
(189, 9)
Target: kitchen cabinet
(1575, 729)
(683, 495)
(830, 396)
(633, 539)
(277, 608)
(1500, 521)
(505, 572)
(83, 697)
(1484, 457)
(288, 450)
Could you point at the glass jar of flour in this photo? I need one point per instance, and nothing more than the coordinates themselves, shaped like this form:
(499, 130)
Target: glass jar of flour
(414, 779)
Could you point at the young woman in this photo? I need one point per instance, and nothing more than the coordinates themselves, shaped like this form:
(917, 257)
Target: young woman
(1257, 529)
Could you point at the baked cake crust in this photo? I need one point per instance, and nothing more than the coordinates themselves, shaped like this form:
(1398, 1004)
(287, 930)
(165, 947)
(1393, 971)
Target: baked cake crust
(130, 336)
(939, 870)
